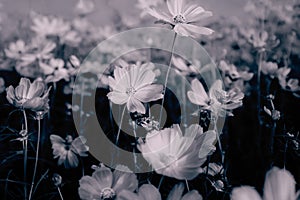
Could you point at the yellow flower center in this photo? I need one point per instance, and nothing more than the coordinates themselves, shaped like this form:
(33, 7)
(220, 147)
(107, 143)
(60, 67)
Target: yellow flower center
(130, 91)
(107, 193)
(179, 19)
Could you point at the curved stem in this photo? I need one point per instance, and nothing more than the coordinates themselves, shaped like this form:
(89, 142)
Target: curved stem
(166, 80)
(36, 158)
(25, 147)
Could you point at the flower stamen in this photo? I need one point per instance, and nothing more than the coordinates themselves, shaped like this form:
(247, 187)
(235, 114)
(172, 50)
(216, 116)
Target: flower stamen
(107, 193)
(179, 19)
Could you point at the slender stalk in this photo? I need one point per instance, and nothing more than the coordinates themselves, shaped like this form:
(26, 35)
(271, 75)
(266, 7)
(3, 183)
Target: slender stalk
(120, 125)
(187, 185)
(135, 136)
(166, 80)
(36, 158)
(160, 182)
(259, 84)
(25, 148)
(60, 194)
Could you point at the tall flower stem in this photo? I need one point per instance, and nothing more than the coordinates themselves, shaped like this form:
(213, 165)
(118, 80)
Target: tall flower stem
(36, 157)
(160, 182)
(166, 80)
(259, 84)
(25, 147)
(60, 194)
(135, 136)
(187, 185)
(120, 125)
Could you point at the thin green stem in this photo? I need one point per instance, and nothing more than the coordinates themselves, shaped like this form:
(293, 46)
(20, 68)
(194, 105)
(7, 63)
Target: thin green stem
(166, 80)
(259, 84)
(36, 158)
(25, 147)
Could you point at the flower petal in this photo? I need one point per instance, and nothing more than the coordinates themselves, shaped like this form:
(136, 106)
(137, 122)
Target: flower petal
(103, 177)
(160, 15)
(192, 195)
(125, 180)
(89, 188)
(118, 97)
(134, 105)
(149, 192)
(279, 184)
(149, 93)
(245, 193)
(128, 195)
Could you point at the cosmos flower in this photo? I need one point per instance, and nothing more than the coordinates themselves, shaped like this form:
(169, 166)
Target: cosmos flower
(176, 155)
(54, 70)
(40, 49)
(27, 95)
(149, 192)
(279, 185)
(182, 68)
(183, 17)
(104, 184)
(256, 38)
(49, 25)
(16, 49)
(232, 76)
(67, 150)
(217, 100)
(292, 85)
(84, 7)
(134, 85)
(145, 4)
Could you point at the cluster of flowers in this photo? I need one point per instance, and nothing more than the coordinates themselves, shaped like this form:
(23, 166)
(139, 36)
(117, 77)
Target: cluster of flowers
(48, 59)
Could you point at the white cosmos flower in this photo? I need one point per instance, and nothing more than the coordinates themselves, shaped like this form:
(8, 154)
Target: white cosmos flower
(183, 17)
(105, 184)
(149, 192)
(279, 185)
(217, 100)
(176, 155)
(16, 49)
(54, 70)
(66, 150)
(134, 85)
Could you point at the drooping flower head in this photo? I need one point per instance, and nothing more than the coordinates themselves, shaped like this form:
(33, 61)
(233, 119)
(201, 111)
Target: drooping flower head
(133, 85)
(67, 150)
(176, 155)
(27, 95)
(183, 17)
(105, 184)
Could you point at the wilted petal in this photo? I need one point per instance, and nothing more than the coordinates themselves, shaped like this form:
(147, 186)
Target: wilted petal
(10, 94)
